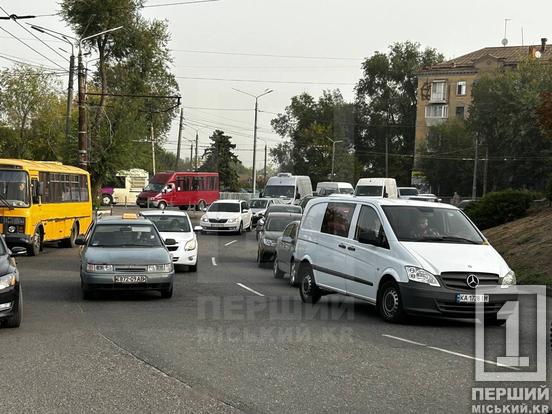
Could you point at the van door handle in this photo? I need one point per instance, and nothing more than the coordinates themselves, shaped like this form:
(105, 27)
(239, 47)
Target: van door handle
(351, 248)
(342, 246)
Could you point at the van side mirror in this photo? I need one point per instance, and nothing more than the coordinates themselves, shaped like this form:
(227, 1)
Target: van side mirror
(80, 240)
(17, 251)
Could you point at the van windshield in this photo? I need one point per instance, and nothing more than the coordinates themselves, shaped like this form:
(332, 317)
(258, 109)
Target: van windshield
(434, 225)
(369, 190)
(156, 187)
(277, 191)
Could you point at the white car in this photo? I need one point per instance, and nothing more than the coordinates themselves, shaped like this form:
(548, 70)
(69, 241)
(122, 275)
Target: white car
(227, 216)
(176, 225)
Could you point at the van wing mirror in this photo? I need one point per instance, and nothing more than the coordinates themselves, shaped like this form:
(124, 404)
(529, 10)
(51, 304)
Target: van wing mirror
(80, 240)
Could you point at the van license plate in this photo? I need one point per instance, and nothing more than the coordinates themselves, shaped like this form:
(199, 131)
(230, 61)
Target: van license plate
(466, 298)
(130, 279)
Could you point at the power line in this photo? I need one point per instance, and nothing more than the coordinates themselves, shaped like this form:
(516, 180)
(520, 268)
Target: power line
(212, 52)
(178, 3)
(266, 81)
(218, 109)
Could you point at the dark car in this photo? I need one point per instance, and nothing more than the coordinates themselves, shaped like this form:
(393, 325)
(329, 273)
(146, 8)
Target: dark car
(125, 253)
(305, 201)
(277, 208)
(284, 262)
(273, 228)
(11, 302)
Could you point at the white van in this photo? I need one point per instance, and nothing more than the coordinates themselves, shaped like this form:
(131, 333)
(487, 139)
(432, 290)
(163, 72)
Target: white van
(406, 257)
(290, 188)
(325, 188)
(376, 187)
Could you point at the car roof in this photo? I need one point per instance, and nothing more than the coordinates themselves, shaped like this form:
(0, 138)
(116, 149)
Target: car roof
(228, 201)
(385, 201)
(284, 214)
(121, 220)
(164, 213)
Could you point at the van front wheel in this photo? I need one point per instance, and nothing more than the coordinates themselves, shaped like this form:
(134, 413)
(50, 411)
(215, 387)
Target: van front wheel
(389, 303)
(310, 293)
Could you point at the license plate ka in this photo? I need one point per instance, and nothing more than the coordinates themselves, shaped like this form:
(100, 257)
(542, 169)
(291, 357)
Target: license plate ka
(468, 298)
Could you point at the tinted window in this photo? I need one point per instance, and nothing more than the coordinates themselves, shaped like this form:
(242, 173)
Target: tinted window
(346, 191)
(408, 191)
(337, 219)
(275, 191)
(278, 223)
(369, 190)
(289, 230)
(176, 224)
(225, 207)
(118, 235)
(284, 208)
(314, 217)
(60, 188)
(368, 225)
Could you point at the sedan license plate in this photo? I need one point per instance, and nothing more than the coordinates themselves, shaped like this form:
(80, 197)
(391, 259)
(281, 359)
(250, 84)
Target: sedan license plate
(218, 225)
(467, 298)
(130, 279)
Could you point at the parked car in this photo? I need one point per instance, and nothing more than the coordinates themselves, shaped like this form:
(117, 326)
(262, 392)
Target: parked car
(11, 299)
(276, 208)
(259, 206)
(176, 225)
(273, 228)
(406, 257)
(125, 253)
(289, 188)
(406, 193)
(227, 215)
(326, 188)
(376, 187)
(284, 262)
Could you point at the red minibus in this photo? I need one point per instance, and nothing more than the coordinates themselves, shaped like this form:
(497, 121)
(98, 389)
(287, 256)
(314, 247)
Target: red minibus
(180, 189)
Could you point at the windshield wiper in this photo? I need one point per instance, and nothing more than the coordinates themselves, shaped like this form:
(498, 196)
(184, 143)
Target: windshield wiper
(447, 239)
(5, 202)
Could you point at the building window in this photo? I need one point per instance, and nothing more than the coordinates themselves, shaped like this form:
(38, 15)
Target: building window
(436, 111)
(461, 88)
(438, 91)
(460, 110)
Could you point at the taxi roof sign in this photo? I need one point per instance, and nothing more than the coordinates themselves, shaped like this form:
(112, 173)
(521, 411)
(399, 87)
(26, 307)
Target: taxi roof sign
(130, 216)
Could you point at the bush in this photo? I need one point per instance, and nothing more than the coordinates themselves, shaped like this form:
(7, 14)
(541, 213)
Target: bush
(499, 208)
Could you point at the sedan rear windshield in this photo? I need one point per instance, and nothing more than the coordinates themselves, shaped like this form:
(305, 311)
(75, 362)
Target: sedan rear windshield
(170, 224)
(369, 190)
(126, 235)
(258, 203)
(224, 208)
(434, 225)
(278, 223)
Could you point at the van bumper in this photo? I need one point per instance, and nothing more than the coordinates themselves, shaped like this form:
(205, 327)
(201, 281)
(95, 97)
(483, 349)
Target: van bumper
(423, 300)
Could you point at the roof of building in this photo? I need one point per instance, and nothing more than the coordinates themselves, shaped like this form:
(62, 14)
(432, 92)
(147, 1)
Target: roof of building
(509, 55)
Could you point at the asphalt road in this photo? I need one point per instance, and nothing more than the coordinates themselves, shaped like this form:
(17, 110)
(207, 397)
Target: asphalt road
(232, 339)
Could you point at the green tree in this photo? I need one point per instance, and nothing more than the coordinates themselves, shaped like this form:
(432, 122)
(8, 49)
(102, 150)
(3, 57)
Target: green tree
(505, 117)
(310, 125)
(219, 157)
(386, 109)
(441, 157)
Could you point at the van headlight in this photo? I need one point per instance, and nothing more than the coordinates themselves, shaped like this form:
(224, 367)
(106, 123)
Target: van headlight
(7, 281)
(160, 268)
(99, 268)
(190, 245)
(509, 279)
(417, 274)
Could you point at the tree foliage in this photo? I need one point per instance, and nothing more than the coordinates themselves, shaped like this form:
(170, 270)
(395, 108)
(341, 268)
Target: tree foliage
(386, 109)
(219, 156)
(310, 125)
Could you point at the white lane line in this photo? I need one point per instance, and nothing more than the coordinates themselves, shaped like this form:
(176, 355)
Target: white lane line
(232, 242)
(446, 351)
(249, 289)
(214, 261)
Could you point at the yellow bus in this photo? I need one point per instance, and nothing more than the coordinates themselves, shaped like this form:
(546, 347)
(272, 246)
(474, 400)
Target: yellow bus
(42, 201)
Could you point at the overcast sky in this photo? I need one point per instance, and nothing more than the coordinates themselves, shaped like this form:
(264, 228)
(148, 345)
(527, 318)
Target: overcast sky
(315, 45)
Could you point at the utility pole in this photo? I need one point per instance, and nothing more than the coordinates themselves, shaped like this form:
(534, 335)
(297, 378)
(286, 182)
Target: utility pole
(485, 166)
(266, 92)
(192, 156)
(333, 155)
(70, 96)
(179, 139)
(196, 150)
(474, 184)
(83, 139)
(264, 171)
(152, 148)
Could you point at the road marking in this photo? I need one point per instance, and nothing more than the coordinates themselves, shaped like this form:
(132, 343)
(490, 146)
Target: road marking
(214, 261)
(249, 289)
(446, 351)
(232, 242)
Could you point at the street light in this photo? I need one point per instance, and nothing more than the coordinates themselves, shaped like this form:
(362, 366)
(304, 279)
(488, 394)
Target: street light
(333, 154)
(266, 92)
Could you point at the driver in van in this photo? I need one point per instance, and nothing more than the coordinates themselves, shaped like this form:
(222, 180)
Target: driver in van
(423, 228)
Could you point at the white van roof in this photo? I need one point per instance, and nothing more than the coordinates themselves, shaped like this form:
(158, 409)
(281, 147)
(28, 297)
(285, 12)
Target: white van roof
(384, 201)
(374, 181)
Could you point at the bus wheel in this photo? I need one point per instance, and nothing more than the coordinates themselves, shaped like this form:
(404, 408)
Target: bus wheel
(201, 205)
(70, 242)
(162, 205)
(107, 200)
(36, 246)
